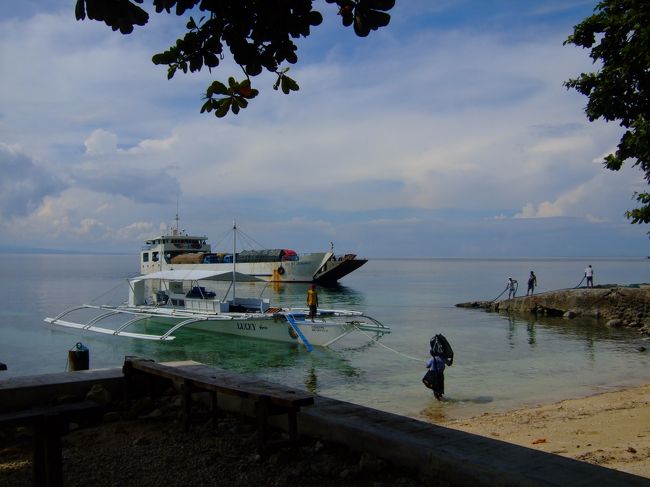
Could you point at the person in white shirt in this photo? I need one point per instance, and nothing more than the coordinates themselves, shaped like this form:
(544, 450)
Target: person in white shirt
(511, 286)
(589, 274)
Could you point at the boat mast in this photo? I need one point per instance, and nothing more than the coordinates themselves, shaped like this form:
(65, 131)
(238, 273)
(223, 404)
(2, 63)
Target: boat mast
(234, 259)
(175, 230)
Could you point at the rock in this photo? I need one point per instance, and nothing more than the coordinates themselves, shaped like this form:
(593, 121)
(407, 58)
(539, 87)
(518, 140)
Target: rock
(66, 399)
(143, 406)
(111, 417)
(155, 414)
(141, 440)
(99, 394)
(615, 323)
(369, 463)
(3, 366)
(629, 304)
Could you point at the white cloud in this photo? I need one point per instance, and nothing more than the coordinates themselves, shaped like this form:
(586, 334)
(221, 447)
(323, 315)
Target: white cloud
(416, 123)
(101, 142)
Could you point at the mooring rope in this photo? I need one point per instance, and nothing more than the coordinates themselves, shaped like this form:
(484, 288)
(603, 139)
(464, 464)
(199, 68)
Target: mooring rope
(583, 278)
(119, 284)
(499, 295)
(387, 347)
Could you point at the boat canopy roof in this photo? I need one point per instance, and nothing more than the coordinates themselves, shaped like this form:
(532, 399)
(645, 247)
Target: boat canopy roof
(195, 275)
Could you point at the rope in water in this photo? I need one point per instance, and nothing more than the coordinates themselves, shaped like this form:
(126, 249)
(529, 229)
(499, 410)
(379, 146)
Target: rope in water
(376, 340)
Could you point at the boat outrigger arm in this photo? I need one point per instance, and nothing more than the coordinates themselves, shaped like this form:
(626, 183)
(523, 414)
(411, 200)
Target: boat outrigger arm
(110, 311)
(292, 317)
(139, 309)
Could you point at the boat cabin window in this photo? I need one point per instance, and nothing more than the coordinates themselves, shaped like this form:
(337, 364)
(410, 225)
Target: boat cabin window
(154, 257)
(145, 257)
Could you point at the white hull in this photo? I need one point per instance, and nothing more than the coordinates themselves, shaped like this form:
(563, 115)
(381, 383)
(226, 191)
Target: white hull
(289, 326)
(191, 252)
(302, 270)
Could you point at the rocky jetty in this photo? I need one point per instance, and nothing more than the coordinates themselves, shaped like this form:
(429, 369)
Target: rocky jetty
(614, 305)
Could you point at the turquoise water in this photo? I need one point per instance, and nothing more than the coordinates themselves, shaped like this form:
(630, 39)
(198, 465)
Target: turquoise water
(500, 362)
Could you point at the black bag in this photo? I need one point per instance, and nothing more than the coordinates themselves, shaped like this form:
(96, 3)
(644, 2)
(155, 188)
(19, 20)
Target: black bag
(429, 379)
(440, 347)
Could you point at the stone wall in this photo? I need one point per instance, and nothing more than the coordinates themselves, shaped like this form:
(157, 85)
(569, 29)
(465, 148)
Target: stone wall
(615, 306)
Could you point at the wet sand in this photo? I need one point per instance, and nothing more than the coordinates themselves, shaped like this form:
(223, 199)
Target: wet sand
(611, 429)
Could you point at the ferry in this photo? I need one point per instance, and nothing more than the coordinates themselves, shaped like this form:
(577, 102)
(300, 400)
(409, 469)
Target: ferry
(180, 251)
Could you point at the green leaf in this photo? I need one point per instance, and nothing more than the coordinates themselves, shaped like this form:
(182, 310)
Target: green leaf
(241, 102)
(207, 106)
(380, 4)
(80, 10)
(284, 84)
(217, 88)
(224, 106)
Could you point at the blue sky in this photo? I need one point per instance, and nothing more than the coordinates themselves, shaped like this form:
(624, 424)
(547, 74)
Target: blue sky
(446, 134)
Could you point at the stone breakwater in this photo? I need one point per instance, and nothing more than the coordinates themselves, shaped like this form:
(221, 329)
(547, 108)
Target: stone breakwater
(614, 305)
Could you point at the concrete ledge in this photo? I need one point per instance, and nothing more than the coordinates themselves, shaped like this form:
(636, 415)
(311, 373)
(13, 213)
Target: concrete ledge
(37, 390)
(443, 455)
(449, 456)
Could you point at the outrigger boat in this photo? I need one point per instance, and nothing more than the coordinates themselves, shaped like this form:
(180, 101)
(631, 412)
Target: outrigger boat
(179, 299)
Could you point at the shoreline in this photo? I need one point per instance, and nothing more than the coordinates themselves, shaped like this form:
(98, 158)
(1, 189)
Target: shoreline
(610, 429)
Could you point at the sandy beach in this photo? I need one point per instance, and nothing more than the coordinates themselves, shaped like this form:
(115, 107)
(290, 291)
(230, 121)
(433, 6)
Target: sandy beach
(611, 429)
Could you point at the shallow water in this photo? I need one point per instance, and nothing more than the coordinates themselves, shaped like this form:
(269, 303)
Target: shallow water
(500, 362)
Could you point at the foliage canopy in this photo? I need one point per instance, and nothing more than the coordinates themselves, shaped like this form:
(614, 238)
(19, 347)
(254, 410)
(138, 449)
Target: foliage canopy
(258, 33)
(618, 34)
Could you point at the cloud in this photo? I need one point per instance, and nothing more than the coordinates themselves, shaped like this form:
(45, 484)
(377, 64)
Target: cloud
(24, 184)
(101, 142)
(444, 119)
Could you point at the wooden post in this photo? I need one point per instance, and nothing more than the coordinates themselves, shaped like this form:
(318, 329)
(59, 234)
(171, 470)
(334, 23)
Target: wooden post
(263, 408)
(47, 455)
(214, 406)
(186, 395)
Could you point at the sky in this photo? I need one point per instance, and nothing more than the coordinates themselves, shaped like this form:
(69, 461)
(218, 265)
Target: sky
(448, 133)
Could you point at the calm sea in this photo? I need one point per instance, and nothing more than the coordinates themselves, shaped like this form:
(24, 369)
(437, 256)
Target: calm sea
(500, 362)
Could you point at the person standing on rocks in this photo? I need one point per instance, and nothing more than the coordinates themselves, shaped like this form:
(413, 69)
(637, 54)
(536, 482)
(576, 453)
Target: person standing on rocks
(532, 282)
(511, 286)
(589, 274)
